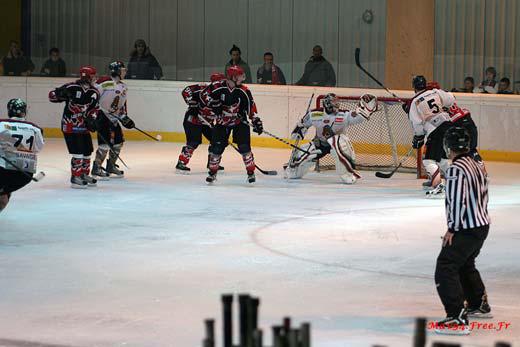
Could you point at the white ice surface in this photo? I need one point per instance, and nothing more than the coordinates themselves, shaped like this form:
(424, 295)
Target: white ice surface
(143, 260)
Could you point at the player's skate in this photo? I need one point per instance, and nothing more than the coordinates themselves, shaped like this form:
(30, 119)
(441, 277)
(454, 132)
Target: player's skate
(91, 181)
(212, 177)
(483, 311)
(77, 182)
(182, 169)
(458, 325)
(251, 178)
(437, 192)
(427, 185)
(99, 173)
(113, 170)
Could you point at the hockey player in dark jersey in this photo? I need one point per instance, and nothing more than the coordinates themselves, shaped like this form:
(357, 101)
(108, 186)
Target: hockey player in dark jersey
(234, 108)
(81, 102)
(198, 121)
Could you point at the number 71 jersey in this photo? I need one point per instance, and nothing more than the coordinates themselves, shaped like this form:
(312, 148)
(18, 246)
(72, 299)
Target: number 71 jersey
(20, 141)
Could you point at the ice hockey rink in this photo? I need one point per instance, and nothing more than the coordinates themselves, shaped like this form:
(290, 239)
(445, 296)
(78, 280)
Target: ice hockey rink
(142, 261)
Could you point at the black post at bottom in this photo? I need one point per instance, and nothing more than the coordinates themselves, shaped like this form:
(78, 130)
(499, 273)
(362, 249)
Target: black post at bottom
(419, 339)
(227, 318)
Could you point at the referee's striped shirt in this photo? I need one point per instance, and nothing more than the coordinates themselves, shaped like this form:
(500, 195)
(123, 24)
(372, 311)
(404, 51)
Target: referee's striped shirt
(466, 194)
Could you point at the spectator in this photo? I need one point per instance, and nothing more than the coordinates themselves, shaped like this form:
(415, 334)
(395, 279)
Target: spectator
(142, 64)
(15, 63)
(269, 73)
(236, 59)
(318, 71)
(54, 66)
(489, 85)
(504, 86)
(469, 86)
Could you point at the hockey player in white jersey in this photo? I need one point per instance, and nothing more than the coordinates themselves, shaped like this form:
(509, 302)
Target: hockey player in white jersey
(112, 112)
(330, 125)
(430, 119)
(20, 141)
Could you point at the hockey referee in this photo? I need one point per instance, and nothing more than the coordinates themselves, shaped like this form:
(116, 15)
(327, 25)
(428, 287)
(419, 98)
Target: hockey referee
(467, 216)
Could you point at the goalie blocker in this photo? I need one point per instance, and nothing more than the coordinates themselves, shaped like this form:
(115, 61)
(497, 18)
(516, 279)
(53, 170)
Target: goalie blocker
(330, 126)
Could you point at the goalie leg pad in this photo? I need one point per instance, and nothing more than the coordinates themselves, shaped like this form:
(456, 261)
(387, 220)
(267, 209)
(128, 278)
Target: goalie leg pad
(433, 171)
(302, 162)
(345, 158)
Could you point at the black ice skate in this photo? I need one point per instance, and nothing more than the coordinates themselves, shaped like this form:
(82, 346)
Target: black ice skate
(458, 325)
(181, 168)
(251, 178)
(437, 192)
(483, 311)
(91, 181)
(99, 173)
(78, 182)
(212, 177)
(113, 171)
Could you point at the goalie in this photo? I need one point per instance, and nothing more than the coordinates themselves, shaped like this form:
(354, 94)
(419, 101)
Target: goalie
(330, 125)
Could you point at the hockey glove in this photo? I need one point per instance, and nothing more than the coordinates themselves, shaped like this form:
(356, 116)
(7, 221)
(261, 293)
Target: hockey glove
(90, 123)
(297, 133)
(258, 126)
(327, 131)
(127, 122)
(363, 112)
(418, 141)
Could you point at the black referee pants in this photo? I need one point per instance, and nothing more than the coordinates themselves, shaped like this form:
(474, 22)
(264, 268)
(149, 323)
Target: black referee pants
(456, 276)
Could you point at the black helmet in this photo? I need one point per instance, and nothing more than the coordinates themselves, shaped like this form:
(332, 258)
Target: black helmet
(457, 139)
(16, 108)
(115, 68)
(419, 82)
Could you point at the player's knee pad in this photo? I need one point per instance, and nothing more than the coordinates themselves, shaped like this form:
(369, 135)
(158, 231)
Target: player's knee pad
(301, 163)
(244, 148)
(193, 144)
(218, 147)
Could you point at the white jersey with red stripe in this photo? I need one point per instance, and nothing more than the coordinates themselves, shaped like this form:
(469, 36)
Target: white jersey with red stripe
(427, 110)
(338, 121)
(456, 112)
(20, 141)
(112, 100)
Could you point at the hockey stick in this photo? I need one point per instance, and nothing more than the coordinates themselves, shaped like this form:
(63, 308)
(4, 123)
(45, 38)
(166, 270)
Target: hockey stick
(391, 173)
(279, 138)
(358, 63)
(265, 172)
(112, 149)
(155, 138)
(37, 178)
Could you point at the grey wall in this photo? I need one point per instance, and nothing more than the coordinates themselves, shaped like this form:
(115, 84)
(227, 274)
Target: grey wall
(191, 38)
(473, 34)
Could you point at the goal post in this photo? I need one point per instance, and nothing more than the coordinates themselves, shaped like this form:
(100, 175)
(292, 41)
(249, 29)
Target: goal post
(381, 142)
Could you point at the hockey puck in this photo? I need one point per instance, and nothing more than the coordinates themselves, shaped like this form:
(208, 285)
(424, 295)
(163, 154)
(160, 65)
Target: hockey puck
(159, 137)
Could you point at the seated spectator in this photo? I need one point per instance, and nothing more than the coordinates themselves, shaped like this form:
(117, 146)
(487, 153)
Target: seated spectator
(15, 63)
(469, 85)
(504, 86)
(142, 64)
(269, 73)
(318, 71)
(54, 66)
(236, 59)
(489, 85)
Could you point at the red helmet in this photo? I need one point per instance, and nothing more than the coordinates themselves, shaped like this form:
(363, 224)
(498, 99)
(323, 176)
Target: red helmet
(87, 72)
(433, 85)
(235, 73)
(217, 76)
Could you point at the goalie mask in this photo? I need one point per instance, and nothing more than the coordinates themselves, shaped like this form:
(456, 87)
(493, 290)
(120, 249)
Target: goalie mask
(330, 103)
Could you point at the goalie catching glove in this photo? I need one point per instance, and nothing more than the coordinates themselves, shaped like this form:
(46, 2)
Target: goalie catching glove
(258, 126)
(127, 122)
(366, 106)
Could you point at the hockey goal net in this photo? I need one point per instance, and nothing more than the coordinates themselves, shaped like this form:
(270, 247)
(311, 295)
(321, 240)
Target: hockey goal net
(381, 142)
